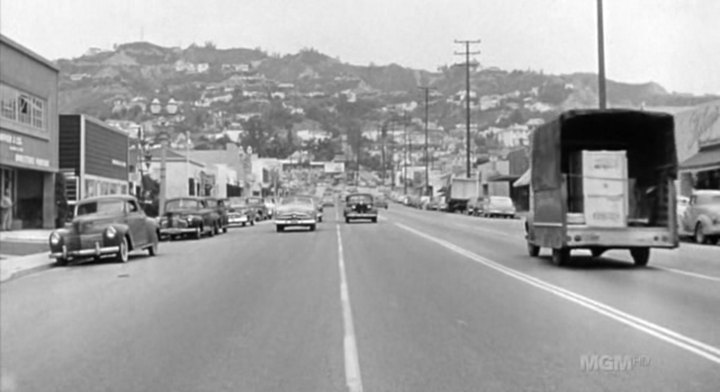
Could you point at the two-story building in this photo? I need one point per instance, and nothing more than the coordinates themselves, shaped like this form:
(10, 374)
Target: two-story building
(28, 135)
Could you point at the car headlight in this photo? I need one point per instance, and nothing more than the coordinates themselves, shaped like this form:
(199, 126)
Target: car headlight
(110, 232)
(55, 238)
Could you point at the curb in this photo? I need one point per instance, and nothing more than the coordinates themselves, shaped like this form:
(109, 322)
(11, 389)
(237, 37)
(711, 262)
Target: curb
(28, 271)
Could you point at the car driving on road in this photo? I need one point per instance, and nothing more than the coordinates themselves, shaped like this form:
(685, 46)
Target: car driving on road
(498, 206)
(360, 206)
(105, 225)
(296, 211)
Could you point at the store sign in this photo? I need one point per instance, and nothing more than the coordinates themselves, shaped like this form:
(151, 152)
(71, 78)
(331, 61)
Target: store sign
(119, 163)
(28, 160)
(24, 151)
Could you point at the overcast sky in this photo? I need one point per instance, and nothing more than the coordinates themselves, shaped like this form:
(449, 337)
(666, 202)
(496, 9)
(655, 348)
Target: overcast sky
(673, 42)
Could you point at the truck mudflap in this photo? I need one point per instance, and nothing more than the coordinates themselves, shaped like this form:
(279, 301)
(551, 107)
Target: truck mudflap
(626, 237)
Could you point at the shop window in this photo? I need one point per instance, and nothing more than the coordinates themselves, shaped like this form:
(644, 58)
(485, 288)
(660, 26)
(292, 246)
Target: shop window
(8, 102)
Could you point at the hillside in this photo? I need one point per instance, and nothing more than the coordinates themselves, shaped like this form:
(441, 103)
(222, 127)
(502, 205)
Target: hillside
(223, 88)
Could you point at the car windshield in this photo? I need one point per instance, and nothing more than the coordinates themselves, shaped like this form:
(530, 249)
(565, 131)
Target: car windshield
(182, 204)
(501, 201)
(105, 207)
(359, 199)
(297, 200)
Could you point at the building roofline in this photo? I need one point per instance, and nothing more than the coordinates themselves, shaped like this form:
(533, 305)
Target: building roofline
(24, 50)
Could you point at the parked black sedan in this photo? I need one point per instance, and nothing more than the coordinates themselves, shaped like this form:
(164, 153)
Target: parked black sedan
(188, 216)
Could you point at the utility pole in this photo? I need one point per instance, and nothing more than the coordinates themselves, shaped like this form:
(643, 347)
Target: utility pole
(467, 54)
(601, 57)
(407, 153)
(426, 191)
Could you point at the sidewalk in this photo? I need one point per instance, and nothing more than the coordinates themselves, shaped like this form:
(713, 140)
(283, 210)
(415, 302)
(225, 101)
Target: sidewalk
(38, 235)
(14, 266)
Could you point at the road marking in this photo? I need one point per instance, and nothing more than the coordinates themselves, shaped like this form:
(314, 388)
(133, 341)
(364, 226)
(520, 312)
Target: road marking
(352, 364)
(694, 346)
(688, 273)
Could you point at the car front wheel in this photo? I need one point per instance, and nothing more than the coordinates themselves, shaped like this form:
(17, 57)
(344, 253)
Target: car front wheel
(61, 261)
(700, 237)
(122, 254)
(153, 248)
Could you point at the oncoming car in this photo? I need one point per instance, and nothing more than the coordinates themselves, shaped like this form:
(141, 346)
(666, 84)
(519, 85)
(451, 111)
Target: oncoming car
(296, 211)
(360, 206)
(105, 225)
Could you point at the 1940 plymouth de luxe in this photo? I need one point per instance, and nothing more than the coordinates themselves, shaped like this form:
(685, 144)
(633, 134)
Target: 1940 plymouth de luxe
(105, 225)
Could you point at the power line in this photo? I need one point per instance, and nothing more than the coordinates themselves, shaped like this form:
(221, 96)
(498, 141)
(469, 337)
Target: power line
(467, 54)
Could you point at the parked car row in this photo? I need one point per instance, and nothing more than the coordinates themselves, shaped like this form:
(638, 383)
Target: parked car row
(115, 225)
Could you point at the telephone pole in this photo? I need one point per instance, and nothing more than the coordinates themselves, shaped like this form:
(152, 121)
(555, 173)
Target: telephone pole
(427, 157)
(408, 153)
(601, 57)
(467, 54)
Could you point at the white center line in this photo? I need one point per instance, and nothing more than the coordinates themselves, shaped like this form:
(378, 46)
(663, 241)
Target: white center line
(694, 346)
(688, 273)
(352, 364)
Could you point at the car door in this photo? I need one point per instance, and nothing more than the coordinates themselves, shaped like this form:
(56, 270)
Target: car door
(690, 215)
(135, 219)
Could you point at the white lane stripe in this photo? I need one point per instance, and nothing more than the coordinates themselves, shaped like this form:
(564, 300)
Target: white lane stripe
(702, 349)
(693, 274)
(352, 364)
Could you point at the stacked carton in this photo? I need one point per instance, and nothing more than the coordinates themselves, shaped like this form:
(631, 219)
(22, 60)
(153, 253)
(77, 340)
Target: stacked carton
(605, 188)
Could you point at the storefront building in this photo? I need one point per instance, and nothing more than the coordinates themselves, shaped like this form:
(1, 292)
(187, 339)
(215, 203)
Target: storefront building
(93, 157)
(702, 170)
(28, 135)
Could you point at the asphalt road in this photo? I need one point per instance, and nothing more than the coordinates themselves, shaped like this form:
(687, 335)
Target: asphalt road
(421, 301)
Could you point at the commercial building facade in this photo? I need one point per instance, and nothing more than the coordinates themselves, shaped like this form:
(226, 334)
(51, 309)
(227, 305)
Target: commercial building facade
(93, 157)
(28, 134)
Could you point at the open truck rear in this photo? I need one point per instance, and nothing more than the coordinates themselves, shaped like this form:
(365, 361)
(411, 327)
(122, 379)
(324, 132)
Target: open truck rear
(462, 190)
(603, 179)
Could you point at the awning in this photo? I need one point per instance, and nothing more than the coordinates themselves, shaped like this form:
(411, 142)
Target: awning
(524, 180)
(703, 160)
(503, 177)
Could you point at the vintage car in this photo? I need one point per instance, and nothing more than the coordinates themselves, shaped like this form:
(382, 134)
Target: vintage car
(381, 202)
(240, 213)
(328, 201)
(476, 206)
(701, 218)
(188, 216)
(360, 206)
(220, 206)
(105, 225)
(498, 206)
(296, 211)
(261, 211)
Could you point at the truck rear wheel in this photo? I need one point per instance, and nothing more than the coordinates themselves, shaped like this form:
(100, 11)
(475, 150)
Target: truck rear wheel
(640, 256)
(533, 250)
(560, 256)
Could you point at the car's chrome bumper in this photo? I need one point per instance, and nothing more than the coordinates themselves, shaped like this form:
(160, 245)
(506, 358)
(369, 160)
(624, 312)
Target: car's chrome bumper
(96, 251)
(295, 222)
(242, 219)
(177, 230)
(361, 215)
